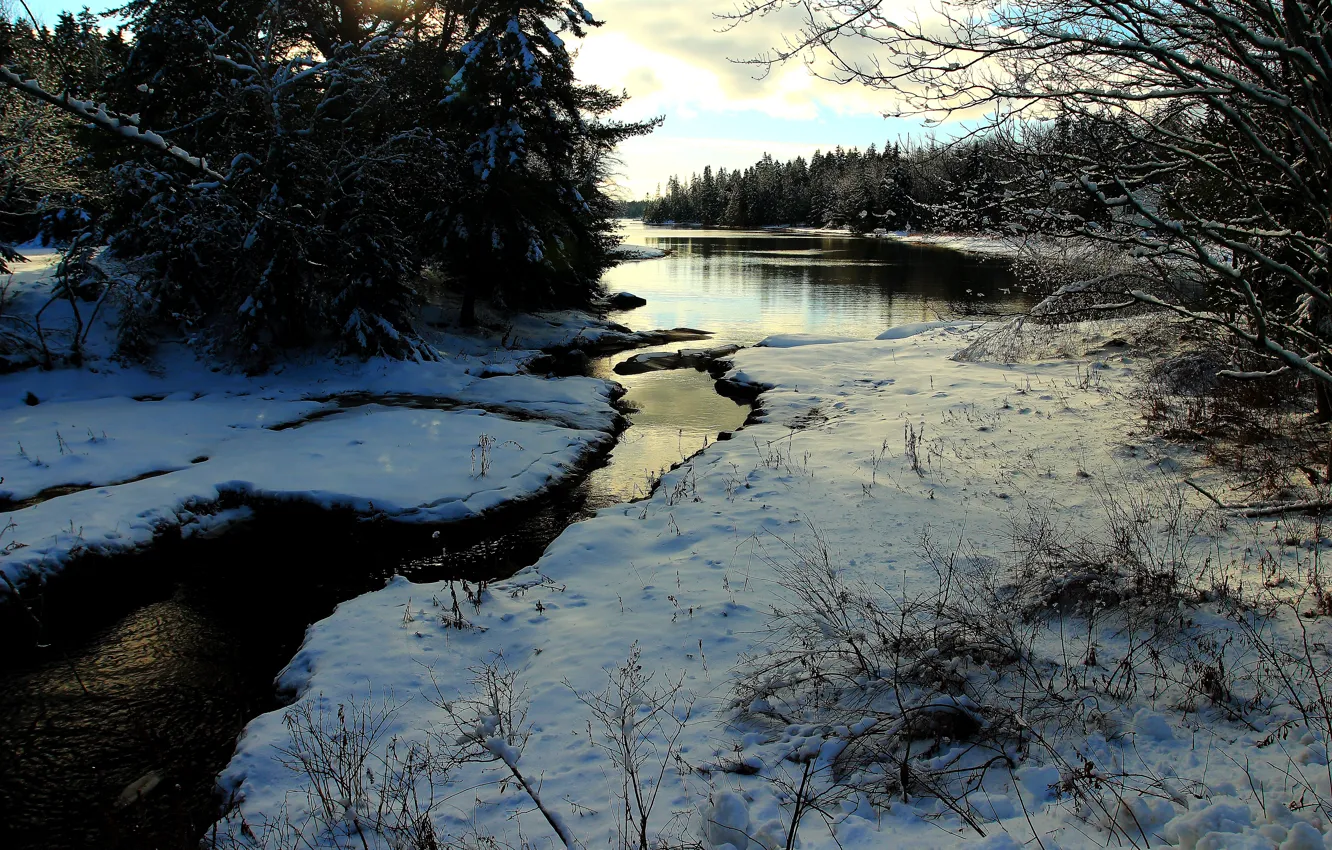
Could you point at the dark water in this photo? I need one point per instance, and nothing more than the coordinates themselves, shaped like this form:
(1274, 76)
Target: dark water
(150, 666)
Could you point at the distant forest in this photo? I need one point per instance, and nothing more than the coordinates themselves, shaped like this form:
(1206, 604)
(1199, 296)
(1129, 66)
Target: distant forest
(633, 209)
(921, 187)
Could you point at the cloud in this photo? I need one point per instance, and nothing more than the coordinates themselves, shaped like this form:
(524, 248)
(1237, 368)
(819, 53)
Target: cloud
(677, 58)
(676, 55)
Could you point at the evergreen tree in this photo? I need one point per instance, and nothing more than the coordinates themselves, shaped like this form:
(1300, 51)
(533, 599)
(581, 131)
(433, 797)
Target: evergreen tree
(527, 221)
(308, 159)
(955, 187)
(48, 183)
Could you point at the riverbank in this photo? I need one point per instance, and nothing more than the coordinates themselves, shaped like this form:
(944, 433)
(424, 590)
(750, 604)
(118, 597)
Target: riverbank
(974, 244)
(980, 245)
(881, 478)
(105, 459)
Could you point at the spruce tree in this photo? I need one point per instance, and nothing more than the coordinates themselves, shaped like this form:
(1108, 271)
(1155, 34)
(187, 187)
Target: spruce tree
(527, 222)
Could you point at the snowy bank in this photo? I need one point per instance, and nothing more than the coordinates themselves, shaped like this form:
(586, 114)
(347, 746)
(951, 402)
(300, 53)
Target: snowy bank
(103, 459)
(981, 245)
(403, 464)
(629, 252)
(876, 464)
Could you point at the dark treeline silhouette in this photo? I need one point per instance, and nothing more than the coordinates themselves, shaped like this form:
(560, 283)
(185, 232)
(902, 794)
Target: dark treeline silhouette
(929, 186)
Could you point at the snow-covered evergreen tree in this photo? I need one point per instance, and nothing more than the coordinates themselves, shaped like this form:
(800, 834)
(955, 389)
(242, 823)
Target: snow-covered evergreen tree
(310, 158)
(527, 221)
(48, 182)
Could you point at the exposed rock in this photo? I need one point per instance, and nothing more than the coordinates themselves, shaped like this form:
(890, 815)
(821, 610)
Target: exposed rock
(609, 343)
(656, 361)
(625, 301)
(561, 362)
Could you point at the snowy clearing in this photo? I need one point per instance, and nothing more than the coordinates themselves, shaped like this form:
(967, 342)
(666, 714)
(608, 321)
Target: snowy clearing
(882, 476)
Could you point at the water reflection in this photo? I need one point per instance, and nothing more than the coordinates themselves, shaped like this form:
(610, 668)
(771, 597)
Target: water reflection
(677, 412)
(745, 285)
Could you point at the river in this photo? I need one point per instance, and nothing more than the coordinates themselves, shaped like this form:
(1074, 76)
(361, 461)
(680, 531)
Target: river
(149, 671)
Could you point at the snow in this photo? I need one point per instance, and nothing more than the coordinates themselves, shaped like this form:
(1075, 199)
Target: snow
(726, 821)
(627, 251)
(797, 340)
(113, 456)
(399, 463)
(684, 585)
(904, 331)
(976, 244)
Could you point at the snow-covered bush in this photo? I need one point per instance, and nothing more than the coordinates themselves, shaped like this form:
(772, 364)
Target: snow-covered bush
(880, 692)
(360, 782)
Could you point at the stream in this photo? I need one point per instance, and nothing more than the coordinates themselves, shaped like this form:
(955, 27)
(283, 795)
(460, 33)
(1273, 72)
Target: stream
(148, 672)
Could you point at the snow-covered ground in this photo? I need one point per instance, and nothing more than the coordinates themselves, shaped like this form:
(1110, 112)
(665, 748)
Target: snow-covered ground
(980, 245)
(984, 245)
(103, 459)
(879, 469)
(626, 251)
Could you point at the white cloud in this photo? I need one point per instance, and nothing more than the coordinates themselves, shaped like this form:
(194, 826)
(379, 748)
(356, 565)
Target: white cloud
(691, 61)
(676, 58)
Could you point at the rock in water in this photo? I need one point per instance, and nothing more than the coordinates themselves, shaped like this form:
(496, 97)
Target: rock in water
(138, 789)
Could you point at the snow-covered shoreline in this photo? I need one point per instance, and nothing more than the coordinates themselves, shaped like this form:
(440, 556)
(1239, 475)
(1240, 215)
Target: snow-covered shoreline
(975, 244)
(980, 245)
(630, 253)
(105, 459)
(865, 450)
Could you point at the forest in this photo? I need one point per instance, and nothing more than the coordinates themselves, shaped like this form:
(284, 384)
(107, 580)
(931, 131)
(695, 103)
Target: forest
(906, 186)
(299, 173)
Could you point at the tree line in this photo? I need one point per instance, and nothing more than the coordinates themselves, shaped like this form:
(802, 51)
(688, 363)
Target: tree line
(287, 172)
(905, 186)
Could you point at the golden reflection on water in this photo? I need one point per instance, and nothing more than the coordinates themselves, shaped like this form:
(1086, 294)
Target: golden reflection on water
(745, 285)
(151, 691)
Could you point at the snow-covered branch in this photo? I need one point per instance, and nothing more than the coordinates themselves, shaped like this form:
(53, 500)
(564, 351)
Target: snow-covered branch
(97, 115)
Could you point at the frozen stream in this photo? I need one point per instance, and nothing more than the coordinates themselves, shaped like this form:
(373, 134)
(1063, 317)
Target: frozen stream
(150, 670)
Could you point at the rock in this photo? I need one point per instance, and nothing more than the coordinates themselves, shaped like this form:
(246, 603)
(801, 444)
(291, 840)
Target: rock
(625, 301)
(656, 361)
(652, 361)
(575, 362)
(138, 789)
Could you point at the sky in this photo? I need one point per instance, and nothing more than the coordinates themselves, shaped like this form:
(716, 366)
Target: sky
(675, 59)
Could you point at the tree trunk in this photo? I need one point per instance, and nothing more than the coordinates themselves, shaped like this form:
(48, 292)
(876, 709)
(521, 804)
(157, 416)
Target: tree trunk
(1323, 395)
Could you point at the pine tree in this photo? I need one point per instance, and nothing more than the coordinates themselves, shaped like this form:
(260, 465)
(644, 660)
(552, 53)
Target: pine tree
(527, 221)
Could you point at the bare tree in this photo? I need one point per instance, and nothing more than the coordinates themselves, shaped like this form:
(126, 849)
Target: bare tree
(1204, 130)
